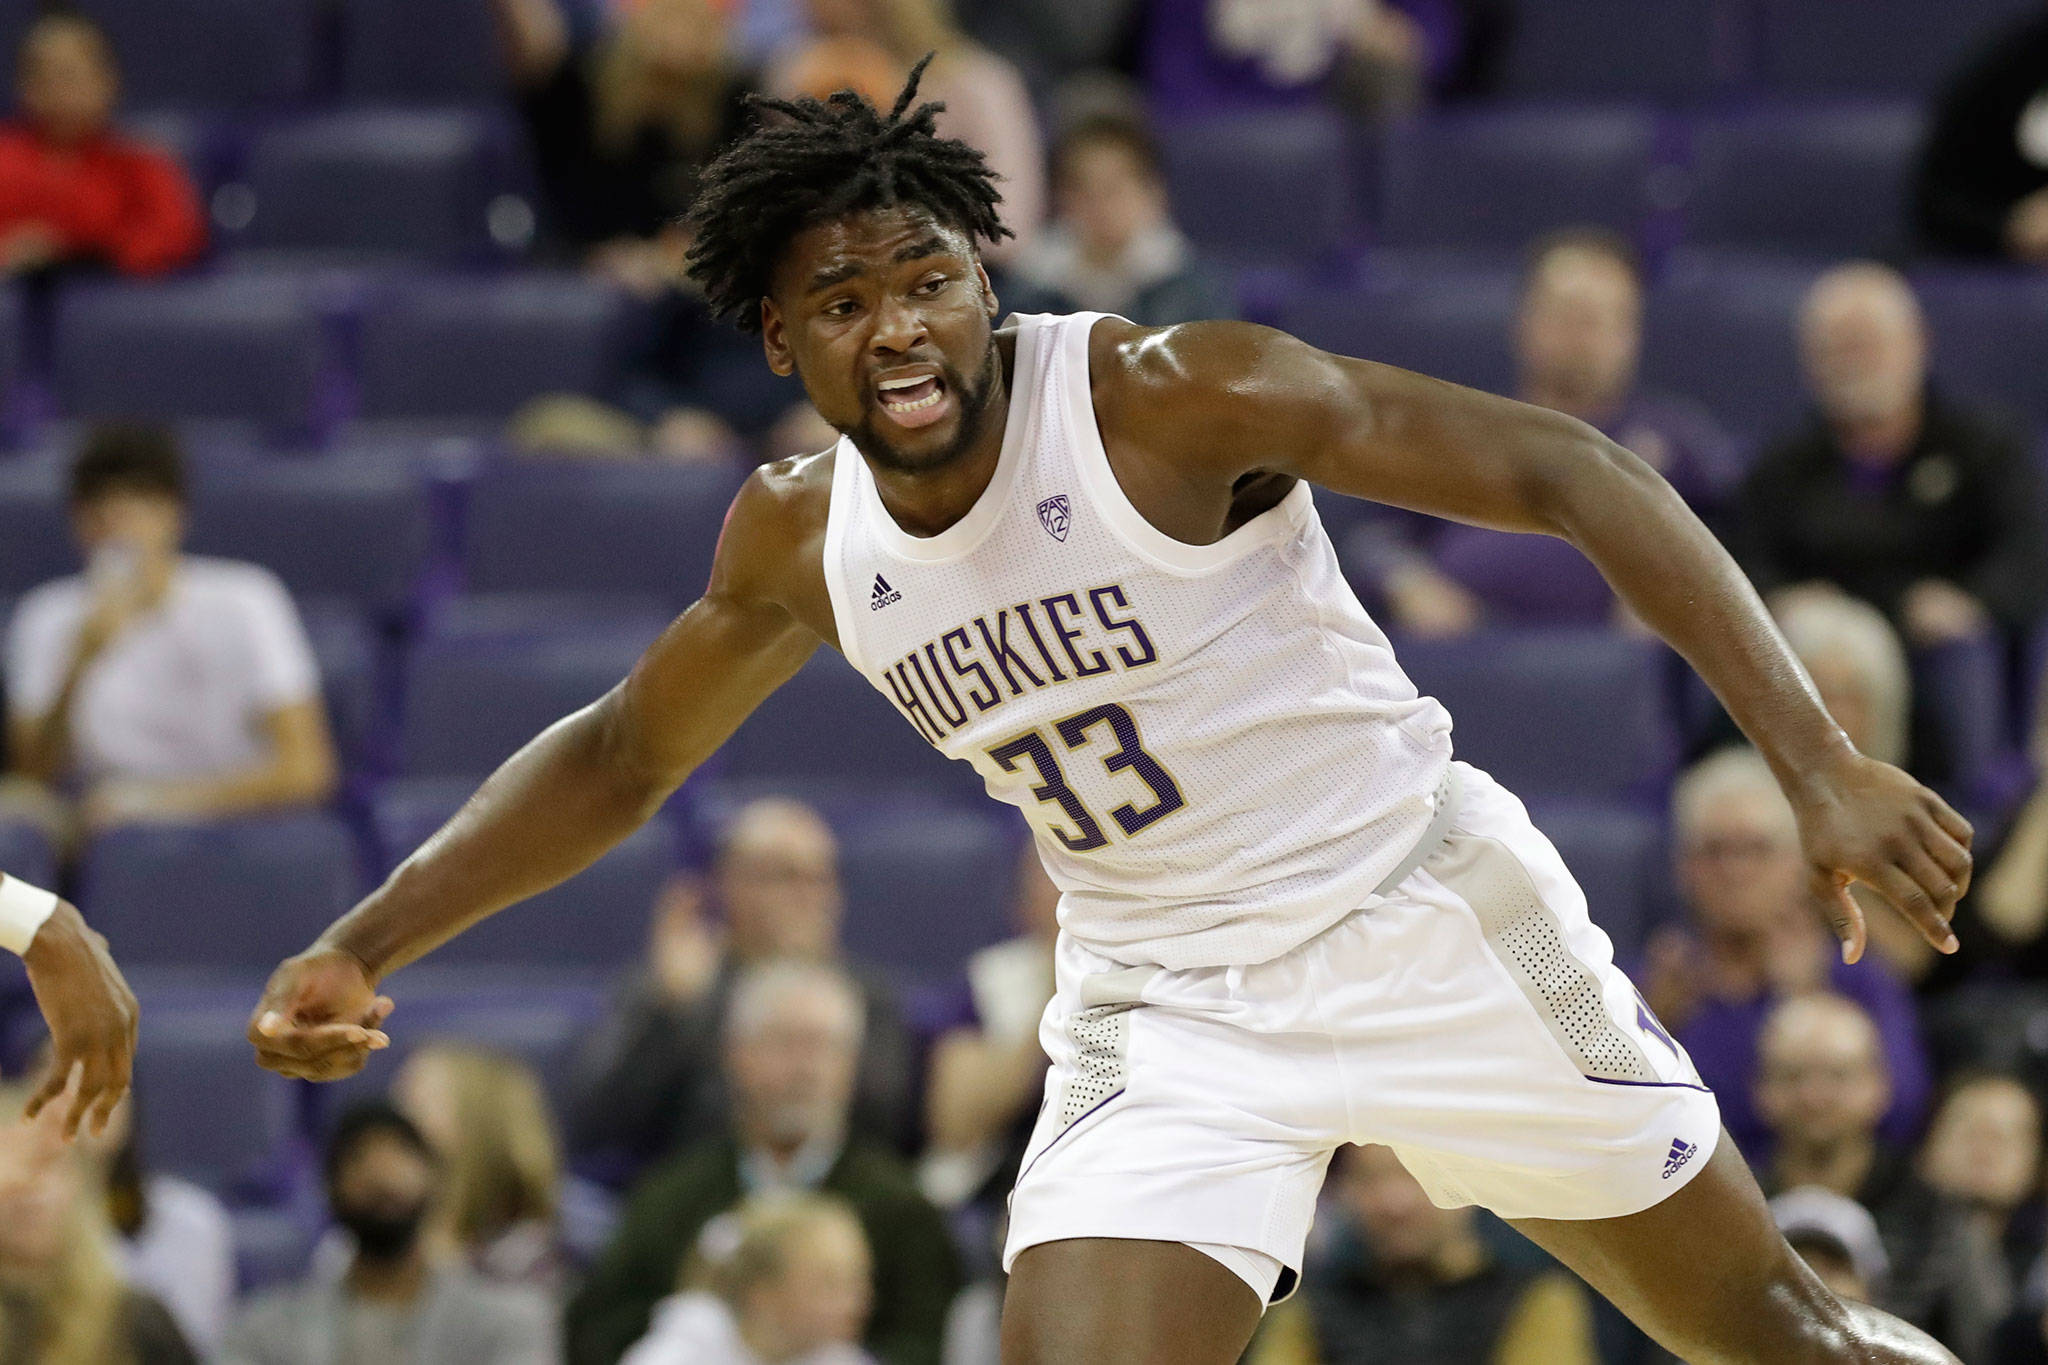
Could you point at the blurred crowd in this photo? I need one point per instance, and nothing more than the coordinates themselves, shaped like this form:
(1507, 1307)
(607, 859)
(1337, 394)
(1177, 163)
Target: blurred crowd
(770, 1150)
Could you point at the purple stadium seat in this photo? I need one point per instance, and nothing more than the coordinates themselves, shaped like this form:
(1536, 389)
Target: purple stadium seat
(345, 647)
(1726, 334)
(12, 341)
(374, 184)
(420, 51)
(1262, 188)
(829, 731)
(1523, 579)
(484, 346)
(1962, 685)
(1668, 50)
(35, 531)
(214, 53)
(241, 894)
(1578, 714)
(1885, 47)
(597, 919)
(1827, 179)
(494, 617)
(469, 706)
(26, 852)
(206, 1110)
(1450, 324)
(1990, 331)
(573, 527)
(336, 527)
(222, 347)
(926, 884)
(1617, 855)
(1495, 179)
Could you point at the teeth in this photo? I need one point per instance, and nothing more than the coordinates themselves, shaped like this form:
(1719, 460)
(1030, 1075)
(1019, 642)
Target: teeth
(927, 401)
(904, 383)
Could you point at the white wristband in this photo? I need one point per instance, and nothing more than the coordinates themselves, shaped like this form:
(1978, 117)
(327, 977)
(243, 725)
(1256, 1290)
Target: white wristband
(23, 908)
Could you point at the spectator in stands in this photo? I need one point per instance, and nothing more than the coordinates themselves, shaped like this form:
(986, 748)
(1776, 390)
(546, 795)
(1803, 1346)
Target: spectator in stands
(1053, 40)
(1838, 1240)
(1112, 246)
(987, 104)
(1822, 1089)
(792, 1038)
(1894, 492)
(394, 1305)
(72, 190)
(487, 1119)
(62, 1298)
(649, 1080)
(987, 1071)
(1373, 58)
(158, 685)
(1751, 938)
(1405, 1281)
(1983, 1150)
(785, 1278)
(175, 1239)
(1578, 337)
(2011, 897)
(1982, 188)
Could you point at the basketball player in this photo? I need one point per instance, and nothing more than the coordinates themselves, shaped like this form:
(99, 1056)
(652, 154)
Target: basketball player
(1081, 556)
(88, 1007)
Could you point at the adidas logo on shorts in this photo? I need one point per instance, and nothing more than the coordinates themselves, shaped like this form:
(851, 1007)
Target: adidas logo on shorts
(883, 594)
(1681, 1152)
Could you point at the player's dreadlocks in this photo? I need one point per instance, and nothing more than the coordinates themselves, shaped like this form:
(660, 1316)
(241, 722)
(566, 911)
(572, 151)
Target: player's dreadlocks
(824, 159)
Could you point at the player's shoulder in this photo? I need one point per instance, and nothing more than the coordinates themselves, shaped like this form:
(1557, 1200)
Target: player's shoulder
(776, 524)
(1191, 381)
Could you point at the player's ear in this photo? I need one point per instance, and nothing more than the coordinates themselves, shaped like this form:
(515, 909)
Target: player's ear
(774, 340)
(988, 291)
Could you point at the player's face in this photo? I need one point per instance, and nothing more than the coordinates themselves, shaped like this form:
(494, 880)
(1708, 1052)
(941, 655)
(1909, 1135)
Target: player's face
(887, 317)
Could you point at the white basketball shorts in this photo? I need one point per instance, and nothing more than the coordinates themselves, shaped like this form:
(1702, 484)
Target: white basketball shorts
(1470, 1017)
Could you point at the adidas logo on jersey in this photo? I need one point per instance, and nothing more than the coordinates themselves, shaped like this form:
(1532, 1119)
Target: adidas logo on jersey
(1681, 1152)
(883, 594)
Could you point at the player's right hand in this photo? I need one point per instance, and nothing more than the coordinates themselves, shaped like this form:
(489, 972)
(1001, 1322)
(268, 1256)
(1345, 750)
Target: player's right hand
(320, 1017)
(91, 1014)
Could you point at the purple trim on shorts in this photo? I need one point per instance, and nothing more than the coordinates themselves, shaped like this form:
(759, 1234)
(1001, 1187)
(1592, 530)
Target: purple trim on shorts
(1078, 1121)
(1650, 1085)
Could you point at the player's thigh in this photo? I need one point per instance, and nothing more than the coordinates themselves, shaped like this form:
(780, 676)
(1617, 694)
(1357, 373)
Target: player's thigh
(1707, 1274)
(1111, 1301)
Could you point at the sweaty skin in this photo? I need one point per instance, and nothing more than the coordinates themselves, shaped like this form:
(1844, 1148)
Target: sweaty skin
(1205, 425)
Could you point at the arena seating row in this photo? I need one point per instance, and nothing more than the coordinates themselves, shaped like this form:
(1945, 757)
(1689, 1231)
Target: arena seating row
(1829, 175)
(271, 53)
(283, 358)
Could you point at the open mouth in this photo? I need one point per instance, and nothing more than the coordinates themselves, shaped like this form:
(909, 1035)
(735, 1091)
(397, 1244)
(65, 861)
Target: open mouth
(914, 400)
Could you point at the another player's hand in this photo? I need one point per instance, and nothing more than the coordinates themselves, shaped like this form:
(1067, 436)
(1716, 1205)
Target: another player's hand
(1865, 821)
(320, 1017)
(92, 1017)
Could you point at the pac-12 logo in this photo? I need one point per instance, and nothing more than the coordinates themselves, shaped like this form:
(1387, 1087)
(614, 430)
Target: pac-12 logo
(1055, 515)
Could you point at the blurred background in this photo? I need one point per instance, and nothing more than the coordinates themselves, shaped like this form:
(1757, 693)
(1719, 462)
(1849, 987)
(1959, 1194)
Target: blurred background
(357, 420)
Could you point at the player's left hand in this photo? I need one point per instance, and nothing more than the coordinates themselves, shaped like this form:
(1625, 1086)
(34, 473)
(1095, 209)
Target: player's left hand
(1866, 821)
(92, 1018)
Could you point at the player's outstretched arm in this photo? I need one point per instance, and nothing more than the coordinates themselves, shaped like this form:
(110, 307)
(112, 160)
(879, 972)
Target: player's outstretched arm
(87, 1005)
(573, 792)
(1240, 400)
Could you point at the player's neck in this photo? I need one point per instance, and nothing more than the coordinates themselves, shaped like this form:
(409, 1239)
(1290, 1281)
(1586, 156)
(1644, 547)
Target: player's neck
(925, 502)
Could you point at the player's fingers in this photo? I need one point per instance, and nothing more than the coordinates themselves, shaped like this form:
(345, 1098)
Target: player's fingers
(314, 1040)
(1916, 903)
(1844, 916)
(1954, 825)
(1953, 858)
(53, 1087)
(380, 1010)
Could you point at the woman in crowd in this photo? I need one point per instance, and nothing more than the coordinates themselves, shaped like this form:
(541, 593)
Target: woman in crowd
(486, 1116)
(62, 1298)
(786, 1280)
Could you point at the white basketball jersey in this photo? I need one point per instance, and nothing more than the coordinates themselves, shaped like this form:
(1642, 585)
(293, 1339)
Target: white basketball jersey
(1217, 754)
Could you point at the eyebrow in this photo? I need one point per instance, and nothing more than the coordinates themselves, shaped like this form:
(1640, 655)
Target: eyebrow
(931, 244)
